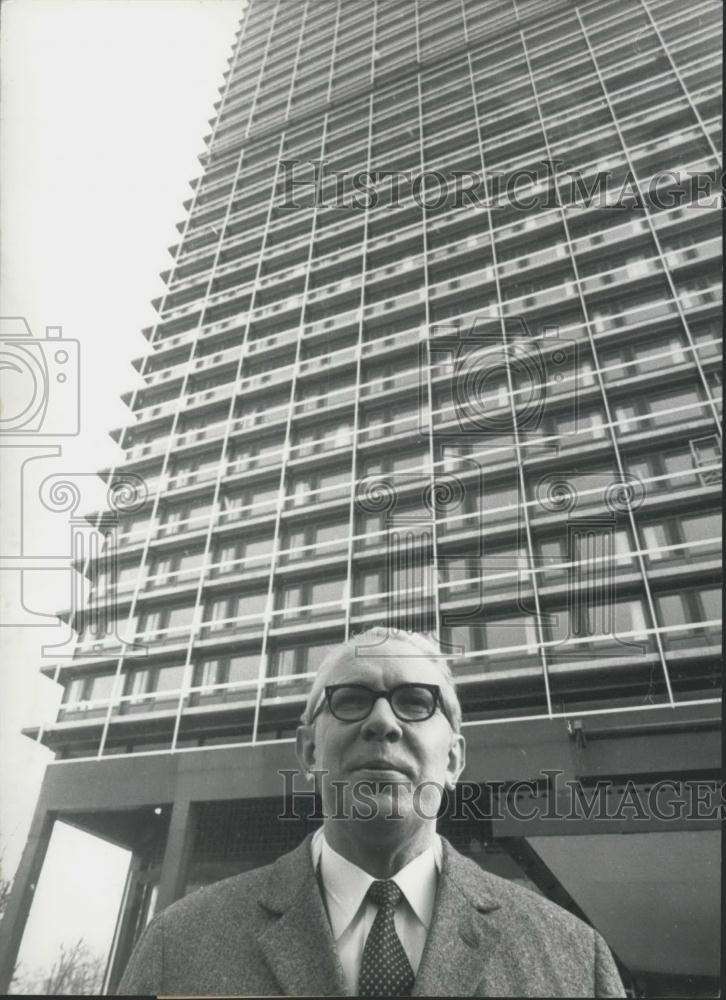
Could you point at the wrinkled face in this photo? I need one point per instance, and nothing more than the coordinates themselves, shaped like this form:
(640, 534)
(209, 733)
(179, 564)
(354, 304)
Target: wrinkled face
(398, 768)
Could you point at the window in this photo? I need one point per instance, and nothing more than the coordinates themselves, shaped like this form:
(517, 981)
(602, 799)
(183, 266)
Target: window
(655, 536)
(177, 567)
(287, 662)
(225, 559)
(516, 630)
(137, 681)
(75, 690)
(292, 596)
(625, 415)
(319, 487)
(297, 600)
(134, 529)
(236, 612)
(257, 549)
(700, 527)
(370, 531)
(676, 463)
(310, 540)
(180, 617)
(242, 554)
(169, 678)
(413, 461)
(623, 548)
(226, 670)
(217, 612)
(127, 576)
(499, 505)
(197, 468)
(369, 582)
(256, 454)
(459, 639)
(325, 591)
(706, 453)
(457, 573)
(686, 405)
(589, 629)
(673, 609)
(207, 674)
(290, 660)
(711, 604)
(323, 438)
(253, 501)
(690, 607)
(101, 686)
(188, 516)
(708, 342)
(250, 604)
(167, 623)
(314, 655)
(551, 553)
(244, 667)
(630, 617)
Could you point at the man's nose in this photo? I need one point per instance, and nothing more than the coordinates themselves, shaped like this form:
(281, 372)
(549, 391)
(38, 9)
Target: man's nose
(382, 723)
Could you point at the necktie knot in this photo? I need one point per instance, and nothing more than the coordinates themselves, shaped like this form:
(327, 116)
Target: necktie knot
(385, 894)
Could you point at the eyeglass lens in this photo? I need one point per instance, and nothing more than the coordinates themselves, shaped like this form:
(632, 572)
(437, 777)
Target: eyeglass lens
(410, 702)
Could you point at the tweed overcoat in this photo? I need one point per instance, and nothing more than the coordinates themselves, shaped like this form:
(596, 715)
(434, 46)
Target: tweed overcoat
(266, 933)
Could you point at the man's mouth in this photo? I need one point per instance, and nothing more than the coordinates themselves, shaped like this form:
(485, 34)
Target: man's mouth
(383, 768)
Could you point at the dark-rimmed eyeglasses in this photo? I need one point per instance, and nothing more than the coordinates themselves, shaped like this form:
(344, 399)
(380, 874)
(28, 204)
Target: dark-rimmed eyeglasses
(354, 702)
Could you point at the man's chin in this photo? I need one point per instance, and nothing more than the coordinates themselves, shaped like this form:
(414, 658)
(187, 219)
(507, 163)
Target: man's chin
(386, 796)
(370, 796)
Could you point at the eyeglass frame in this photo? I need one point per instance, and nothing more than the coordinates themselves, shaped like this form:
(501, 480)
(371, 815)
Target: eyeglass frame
(329, 689)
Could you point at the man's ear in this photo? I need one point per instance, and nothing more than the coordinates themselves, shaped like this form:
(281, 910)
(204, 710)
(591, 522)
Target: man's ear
(305, 747)
(456, 761)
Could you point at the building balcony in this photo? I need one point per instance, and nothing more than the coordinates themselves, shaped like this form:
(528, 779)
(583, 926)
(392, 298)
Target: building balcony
(506, 681)
(704, 251)
(347, 357)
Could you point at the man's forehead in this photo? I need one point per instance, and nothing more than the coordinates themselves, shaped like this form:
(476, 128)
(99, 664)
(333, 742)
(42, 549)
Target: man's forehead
(394, 661)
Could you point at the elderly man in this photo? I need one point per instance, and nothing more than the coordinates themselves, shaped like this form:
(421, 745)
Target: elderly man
(375, 903)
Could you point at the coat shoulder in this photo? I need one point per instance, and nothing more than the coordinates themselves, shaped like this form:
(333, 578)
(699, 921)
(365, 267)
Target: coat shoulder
(519, 903)
(224, 900)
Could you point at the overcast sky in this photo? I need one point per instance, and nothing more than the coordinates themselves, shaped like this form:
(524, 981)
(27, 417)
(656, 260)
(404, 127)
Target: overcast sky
(104, 106)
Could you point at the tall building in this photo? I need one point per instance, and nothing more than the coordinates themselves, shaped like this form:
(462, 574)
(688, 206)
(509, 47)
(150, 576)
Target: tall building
(491, 413)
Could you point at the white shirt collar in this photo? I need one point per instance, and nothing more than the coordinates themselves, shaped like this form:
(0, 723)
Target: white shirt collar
(346, 884)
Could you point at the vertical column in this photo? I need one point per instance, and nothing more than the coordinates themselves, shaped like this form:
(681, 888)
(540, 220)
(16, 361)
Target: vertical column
(177, 853)
(123, 939)
(21, 895)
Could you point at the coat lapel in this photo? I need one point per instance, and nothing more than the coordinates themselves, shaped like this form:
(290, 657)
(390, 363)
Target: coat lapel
(299, 946)
(463, 934)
